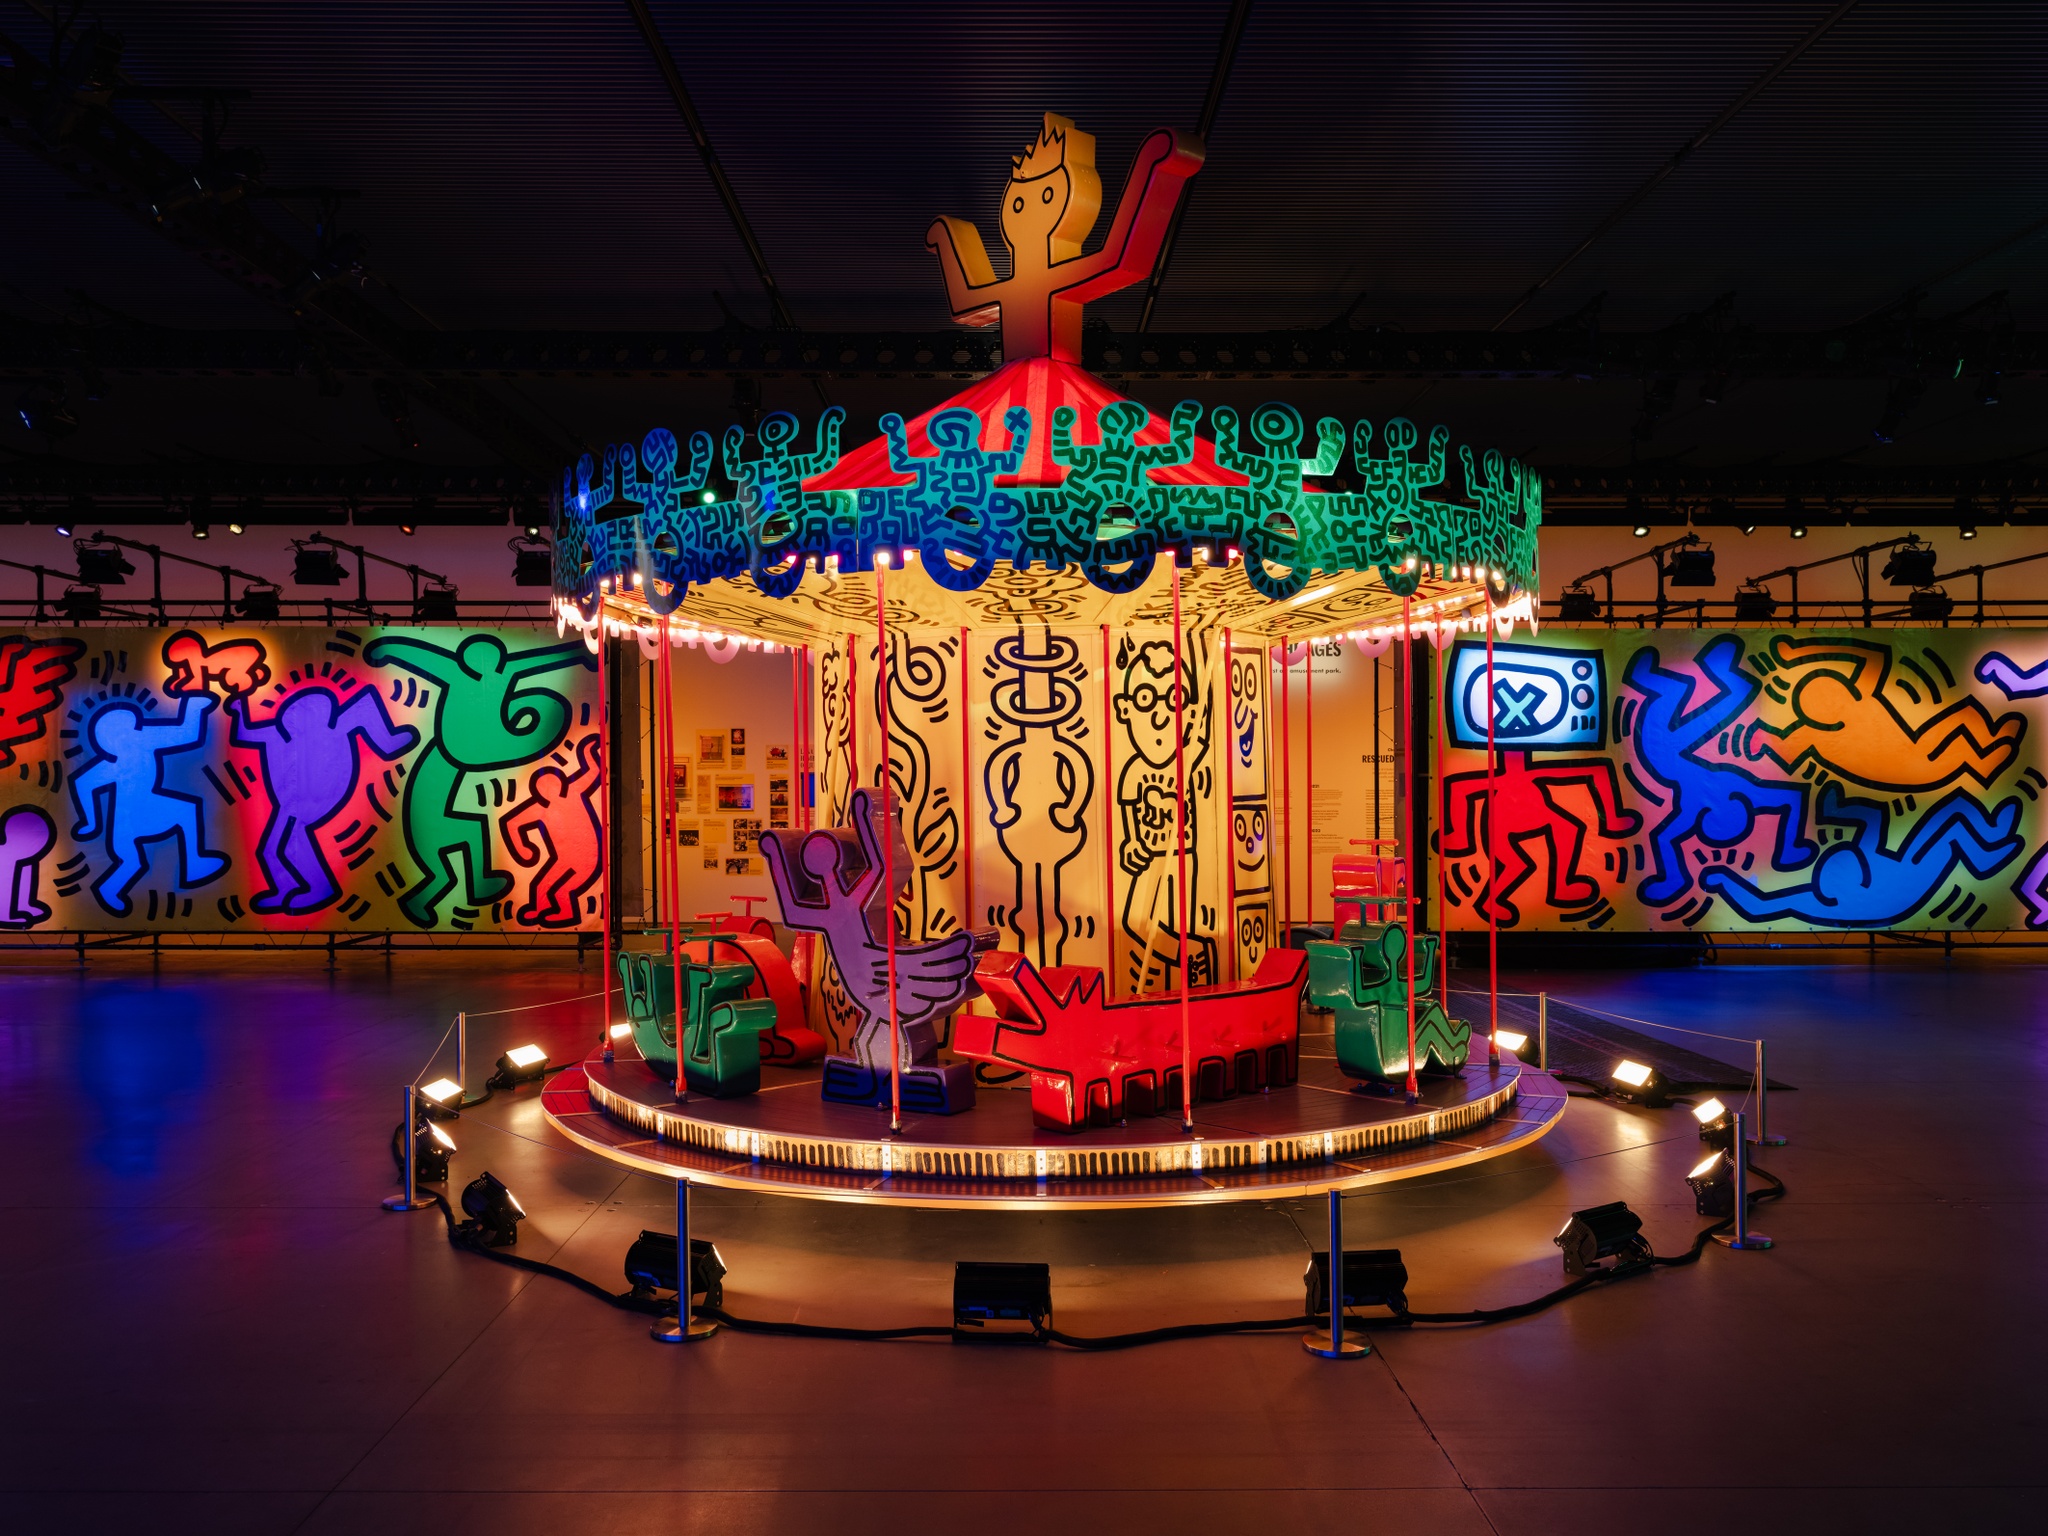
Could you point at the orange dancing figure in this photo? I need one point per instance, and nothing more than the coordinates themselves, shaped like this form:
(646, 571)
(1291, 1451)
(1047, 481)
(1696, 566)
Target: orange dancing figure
(1848, 724)
(1049, 208)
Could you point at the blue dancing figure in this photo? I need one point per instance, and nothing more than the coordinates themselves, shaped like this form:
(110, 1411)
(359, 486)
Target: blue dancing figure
(1714, 802)
(120, 794)
(1858, 884)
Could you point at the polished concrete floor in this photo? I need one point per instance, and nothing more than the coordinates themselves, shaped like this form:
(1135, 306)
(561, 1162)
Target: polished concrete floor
(213, 1327)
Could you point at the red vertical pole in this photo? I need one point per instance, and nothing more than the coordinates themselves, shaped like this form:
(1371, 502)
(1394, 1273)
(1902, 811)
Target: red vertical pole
(1492, 866)
(670, 857)
(1408, 830)
(1286, 796)
(1108, 831)
(1308, 768)
(852, 724)
(1180, 854)
(604, 818)
(888, 837)
(966, 784)
(1440, 671)
(1230, 796)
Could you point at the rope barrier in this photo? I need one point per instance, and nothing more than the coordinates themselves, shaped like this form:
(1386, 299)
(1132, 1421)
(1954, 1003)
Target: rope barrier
(581, 997)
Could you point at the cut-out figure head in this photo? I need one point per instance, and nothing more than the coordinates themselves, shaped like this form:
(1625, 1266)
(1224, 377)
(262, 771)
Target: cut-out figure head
(1054, 195)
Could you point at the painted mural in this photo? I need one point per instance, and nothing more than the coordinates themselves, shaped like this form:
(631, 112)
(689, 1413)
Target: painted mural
(381, 779)
(1034, 768)
(1852, 779)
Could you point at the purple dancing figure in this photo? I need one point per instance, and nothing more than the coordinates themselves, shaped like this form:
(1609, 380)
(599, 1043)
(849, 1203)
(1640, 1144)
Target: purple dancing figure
(120, 794)
(310, 767)
(833, 886)
(26, 834)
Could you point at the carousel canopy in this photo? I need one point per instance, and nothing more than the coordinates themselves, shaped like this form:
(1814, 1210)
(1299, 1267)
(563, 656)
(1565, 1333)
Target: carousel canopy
(1038, 494)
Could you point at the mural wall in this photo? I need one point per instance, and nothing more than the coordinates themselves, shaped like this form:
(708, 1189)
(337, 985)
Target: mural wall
(1849, 779)
(365, 780)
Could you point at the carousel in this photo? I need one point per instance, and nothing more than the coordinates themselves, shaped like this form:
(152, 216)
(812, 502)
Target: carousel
(1033, 944)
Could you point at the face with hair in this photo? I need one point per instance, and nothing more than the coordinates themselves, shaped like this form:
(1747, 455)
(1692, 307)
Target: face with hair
(1054, 195)
(1144, 705)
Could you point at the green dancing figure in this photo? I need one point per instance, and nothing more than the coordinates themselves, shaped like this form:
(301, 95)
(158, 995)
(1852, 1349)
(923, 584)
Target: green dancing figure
(484, 721)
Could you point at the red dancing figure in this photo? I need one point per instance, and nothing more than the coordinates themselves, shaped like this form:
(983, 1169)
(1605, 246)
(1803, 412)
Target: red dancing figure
(556, 827)
(1537, 804)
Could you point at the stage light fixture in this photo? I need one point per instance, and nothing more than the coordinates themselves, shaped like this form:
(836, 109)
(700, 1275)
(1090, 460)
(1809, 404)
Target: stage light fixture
(1510, 1040)
(621, 1031)
(103, 565)
(317, 565)
(1929, 605)
(1717, 1125)
(533, 563)
(259, 603)
(200, 529)
(80, 604)
(1610, 1231)
(408, 529)
(63, 530)
(1640, 1083)
(1642, 530)
(1754, 604)
(436, 602)
(442, 1091)
(1966, 530)
(521, 1064)
(1713, 1184)
(1373, 1277)
(494, 1215)
(432, 1148)
(651, 1267)
(1001, 1302)
(1799, 530)
(1911, 563)
(1691, 566)
(45, 411)
(1577, 605)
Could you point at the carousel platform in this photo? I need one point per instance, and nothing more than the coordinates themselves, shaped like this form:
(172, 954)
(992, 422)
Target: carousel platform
(1313, 1135)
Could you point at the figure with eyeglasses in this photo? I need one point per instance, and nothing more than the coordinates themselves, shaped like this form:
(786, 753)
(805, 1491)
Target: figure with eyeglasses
(1146, 803)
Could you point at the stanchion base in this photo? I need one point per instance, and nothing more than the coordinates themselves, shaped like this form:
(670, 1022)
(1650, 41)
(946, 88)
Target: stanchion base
(1318, 1343)
(679, 1332)
(400, 1203)
(1752, 1240)
(1767, 1141)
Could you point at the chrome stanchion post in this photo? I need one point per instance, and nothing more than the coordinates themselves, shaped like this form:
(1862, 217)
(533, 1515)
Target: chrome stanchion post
(1333, 1345)
(410, 1200)
(686, 1329)
(1764, 1138)
(462, 1057)
(1738, 1154)
(1543, 1031)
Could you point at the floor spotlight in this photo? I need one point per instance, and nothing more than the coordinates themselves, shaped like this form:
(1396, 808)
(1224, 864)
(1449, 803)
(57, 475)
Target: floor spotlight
(521, 1064)
(1001, 1302)
(1599, 1232)
(494, 1216)
(431, 1151)
(1641, 1084)
(442, 1091)
(651, 1267)
(1509, 1040)
(621, 1031)
(1717, 1125)
(1713, 1184)
(1373, 1277)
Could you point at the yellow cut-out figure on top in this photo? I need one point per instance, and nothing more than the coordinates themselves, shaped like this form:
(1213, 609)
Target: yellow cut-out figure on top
(1049, 207)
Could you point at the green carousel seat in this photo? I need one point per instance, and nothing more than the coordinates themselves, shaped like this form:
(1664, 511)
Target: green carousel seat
(722, 1026)
(1361, 977)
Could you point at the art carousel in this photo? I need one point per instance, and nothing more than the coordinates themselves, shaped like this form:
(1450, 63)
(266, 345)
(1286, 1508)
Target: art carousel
(1031, 949)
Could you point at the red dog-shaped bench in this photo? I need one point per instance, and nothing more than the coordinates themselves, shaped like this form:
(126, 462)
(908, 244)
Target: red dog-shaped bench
(1095, 1062)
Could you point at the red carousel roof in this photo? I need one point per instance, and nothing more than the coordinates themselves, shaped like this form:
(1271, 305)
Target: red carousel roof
(1041, 385)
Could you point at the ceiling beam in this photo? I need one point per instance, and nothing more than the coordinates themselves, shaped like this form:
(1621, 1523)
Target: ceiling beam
(64, 116)
(449, 359)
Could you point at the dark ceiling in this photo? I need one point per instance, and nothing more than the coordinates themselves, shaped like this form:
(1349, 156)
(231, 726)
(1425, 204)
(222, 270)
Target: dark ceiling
(1401, 169)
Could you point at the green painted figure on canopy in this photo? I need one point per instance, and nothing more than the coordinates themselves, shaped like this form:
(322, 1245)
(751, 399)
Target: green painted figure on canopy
(486, 719)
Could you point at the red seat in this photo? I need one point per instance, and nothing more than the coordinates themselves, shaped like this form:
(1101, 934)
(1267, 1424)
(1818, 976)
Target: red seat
(1371, 886)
